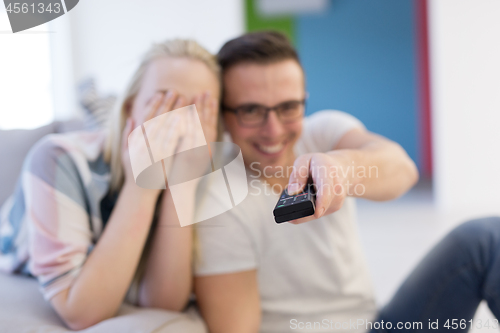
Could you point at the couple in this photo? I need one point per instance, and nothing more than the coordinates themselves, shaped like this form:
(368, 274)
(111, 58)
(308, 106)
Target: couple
(79, 223)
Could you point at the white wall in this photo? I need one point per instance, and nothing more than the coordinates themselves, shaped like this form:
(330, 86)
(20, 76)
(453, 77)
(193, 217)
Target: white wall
(25, 76)
(465, 71)
(63, 77)
(110, 36)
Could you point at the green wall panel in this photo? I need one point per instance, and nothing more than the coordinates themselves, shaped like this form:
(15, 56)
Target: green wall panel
(255, 21)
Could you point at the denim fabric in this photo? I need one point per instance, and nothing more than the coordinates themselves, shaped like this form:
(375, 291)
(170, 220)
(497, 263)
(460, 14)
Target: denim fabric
(449, 283)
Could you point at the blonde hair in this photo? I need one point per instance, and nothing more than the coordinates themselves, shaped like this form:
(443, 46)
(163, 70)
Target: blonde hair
(178, 48)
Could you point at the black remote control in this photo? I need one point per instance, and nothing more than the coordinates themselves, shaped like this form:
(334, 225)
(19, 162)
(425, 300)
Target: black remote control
(291, 207)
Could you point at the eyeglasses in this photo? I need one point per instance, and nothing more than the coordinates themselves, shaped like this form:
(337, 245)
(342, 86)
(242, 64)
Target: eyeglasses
(255, 115)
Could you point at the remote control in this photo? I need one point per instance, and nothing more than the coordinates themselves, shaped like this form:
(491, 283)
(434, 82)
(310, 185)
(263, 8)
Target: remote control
(291, 207)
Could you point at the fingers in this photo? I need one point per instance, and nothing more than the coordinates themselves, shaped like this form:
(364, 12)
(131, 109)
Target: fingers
(180, 102)
(170, 141)
(152, 106)
(197, 101)
(169, 101)
(190, 133)
(330, 194)
(172, 135)
(163, 102)
(181, 131)
(201, 102)
(207, 107)
(324, 186)
(212, 113)
(300, 174)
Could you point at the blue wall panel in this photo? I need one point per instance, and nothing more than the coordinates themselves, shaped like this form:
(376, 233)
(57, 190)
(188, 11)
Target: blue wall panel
(360, 57)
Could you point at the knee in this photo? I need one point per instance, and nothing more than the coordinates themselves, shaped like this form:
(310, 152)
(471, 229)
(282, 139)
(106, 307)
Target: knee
(485, 231)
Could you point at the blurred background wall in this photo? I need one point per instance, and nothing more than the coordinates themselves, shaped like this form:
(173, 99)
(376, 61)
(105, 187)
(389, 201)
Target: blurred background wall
(465, 71)
(110, 36)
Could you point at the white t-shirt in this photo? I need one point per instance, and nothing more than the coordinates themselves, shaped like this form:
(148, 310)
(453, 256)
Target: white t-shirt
(312, 272)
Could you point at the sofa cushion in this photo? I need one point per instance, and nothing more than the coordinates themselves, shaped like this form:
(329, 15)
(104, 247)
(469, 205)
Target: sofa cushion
(15, 144)
(23, 309)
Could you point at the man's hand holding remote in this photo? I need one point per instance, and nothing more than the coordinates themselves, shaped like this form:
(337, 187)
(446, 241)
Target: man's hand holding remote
(328, 179)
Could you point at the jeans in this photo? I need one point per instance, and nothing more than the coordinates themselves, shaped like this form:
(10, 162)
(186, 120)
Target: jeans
(449, 283)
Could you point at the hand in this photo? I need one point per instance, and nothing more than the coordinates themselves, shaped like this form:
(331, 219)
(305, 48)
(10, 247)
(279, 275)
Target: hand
(207, 107)
(193, 164)
(326, 173)
(163, 134)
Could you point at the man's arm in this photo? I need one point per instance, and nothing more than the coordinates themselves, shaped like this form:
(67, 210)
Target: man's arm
(362, 164)
(389, 171)
(229, 302)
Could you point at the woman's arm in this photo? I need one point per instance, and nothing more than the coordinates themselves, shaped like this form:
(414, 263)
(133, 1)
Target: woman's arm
(230, 302)
(167, 278)
(100, 288)
(106, 275)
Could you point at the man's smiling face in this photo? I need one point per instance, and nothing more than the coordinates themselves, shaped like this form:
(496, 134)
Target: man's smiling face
(270, 144)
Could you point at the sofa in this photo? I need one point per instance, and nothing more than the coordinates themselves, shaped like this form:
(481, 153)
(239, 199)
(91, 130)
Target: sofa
(22, 307)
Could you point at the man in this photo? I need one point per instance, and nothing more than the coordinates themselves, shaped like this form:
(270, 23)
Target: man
(255, 275)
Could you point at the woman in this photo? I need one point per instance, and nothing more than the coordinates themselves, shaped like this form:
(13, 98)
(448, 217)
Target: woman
(80, 224)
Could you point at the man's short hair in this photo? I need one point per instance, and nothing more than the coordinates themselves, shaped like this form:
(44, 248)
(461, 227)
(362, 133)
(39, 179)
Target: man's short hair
(263, 47)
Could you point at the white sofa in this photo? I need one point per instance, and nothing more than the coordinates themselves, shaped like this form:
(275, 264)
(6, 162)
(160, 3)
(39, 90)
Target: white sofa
(22, 307)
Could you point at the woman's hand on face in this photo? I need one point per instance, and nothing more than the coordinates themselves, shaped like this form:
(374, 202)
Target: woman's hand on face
(207, 108)
(192, 164)
(163, 134)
